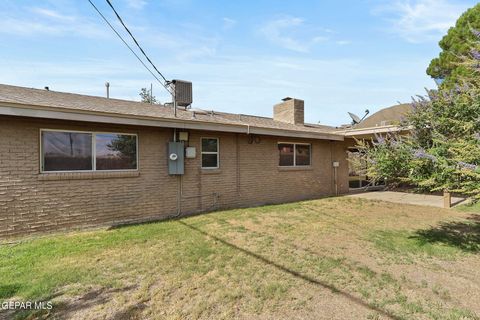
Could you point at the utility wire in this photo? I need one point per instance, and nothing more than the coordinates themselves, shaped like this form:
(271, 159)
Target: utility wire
(135, 40)
(130, 48)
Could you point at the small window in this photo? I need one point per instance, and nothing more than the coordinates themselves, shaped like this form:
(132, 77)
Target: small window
(210, 153)
(286, 154)
(302, 154)
(87, 151)
(294, 154)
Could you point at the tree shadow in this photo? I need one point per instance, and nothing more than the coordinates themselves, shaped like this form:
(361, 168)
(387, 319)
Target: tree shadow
(464, 235)
(131, 313)
(296, 274)
(66, 309)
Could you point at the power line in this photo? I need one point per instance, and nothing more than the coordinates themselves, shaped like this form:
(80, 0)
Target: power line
(135, 40)
(130, 48)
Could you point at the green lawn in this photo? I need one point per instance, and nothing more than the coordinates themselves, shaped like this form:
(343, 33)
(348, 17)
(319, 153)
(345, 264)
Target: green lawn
(330, 258)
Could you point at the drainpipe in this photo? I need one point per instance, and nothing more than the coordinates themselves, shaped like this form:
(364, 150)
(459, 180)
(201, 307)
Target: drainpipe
(335, 178)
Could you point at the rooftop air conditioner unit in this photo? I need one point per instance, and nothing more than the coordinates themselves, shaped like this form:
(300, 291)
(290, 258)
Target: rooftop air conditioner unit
(182, 92)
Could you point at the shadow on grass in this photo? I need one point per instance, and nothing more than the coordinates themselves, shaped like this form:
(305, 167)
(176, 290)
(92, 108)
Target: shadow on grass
(8, 290)
(67, 309)
(463, 235)
(294, 273)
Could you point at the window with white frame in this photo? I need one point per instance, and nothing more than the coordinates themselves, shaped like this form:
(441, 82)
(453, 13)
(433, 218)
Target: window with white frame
(294, 154)
(87, 151)
(210, 153)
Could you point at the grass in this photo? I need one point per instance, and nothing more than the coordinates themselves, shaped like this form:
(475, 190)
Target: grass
(471, 207)
(411, 246)
(313, 259)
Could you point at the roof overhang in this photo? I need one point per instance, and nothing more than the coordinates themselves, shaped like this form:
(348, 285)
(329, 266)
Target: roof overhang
(31, 111)
(370, 132)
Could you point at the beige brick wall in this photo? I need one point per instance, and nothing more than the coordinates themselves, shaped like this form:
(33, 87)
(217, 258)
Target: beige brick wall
(31, 202)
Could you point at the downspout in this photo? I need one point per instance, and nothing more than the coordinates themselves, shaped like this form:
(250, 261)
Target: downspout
(335, 180)
(335, 169)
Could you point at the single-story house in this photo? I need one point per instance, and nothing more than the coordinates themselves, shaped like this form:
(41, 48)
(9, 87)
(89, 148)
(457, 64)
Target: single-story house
(74, 161)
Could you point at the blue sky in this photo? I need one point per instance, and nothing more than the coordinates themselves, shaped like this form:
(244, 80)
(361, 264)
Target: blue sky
(242, 56)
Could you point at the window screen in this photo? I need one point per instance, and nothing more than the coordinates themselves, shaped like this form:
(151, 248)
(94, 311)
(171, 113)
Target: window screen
(294, 154)
(66, 151)
(85, 151)
(115, 151)
(286, 154)
(210, 153)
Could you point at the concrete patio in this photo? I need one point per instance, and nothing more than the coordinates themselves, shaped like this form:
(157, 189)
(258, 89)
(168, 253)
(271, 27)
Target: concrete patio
(407, 198)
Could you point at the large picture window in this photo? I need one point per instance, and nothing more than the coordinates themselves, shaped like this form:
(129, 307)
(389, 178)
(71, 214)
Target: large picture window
(87, 151)
(294, 154)
(210, 154)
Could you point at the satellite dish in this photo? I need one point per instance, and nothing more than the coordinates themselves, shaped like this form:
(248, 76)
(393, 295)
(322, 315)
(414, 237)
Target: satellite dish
(356, 119)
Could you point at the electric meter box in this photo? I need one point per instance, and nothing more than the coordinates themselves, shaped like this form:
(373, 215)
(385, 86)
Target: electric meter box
(176, 158)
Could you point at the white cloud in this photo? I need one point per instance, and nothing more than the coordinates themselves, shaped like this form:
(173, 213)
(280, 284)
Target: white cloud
(229, 23)
(422, 20)
(136, 4)
(290, 33)
(343, 42)
(26, 27)
(50, 22)
(52, 14)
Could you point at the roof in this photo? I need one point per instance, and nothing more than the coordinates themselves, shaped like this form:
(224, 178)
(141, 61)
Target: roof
(386, 117)
(361, 133)
(31, 102)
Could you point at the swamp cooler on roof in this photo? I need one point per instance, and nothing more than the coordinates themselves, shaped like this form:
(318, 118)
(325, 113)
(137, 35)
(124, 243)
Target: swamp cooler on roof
(182, 91)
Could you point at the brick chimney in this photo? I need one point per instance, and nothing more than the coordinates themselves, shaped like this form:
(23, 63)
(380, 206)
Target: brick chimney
(291, 110)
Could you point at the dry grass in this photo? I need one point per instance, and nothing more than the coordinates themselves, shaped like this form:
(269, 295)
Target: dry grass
(331, 258)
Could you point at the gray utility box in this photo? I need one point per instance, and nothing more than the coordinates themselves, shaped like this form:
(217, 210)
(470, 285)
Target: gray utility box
(176, 158)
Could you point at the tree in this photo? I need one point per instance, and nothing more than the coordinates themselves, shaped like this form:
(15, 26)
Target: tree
(147, 96)
(443, 150)
(126, 146)
(455, 45)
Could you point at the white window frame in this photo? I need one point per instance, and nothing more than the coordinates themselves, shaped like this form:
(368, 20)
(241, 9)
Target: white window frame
(209, 152)
(295, 154)
(94, 151)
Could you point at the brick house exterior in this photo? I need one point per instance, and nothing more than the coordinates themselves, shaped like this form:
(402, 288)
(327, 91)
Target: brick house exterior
(248, 173)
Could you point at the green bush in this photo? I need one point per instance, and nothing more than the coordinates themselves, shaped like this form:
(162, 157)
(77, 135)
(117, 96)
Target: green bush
(443, 150)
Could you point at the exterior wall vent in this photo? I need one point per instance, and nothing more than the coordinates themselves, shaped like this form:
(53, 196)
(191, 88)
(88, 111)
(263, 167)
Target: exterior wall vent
(183, 92)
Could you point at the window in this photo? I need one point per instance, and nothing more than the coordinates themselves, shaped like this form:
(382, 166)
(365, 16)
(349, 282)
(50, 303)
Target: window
(87, 151)
(115, 151)
(210, 153)
(66, 151)
(294, 154)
